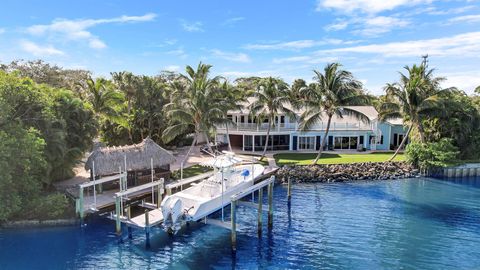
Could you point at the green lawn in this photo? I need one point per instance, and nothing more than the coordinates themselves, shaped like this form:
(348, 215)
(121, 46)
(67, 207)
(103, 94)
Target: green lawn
(327, 158)
(191, 171)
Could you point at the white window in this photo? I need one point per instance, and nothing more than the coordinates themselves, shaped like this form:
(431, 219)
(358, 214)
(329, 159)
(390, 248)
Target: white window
(306, 143)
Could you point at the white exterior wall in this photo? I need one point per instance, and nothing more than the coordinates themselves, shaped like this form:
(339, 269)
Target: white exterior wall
(291, 128)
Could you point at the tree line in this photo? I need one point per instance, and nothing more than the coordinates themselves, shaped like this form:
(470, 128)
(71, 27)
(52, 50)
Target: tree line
(51, 116)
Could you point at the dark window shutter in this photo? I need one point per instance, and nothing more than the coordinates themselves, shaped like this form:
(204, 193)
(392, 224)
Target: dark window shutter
(295, 142)
(318, 143)
(361, 140)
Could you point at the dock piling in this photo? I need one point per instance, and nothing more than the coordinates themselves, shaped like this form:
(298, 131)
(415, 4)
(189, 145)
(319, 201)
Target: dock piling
(260, 211)
(147, 229)
(289, 190)
(233, 217)
(270, 205)
(118, 225)
(80, 205)
(130, 236)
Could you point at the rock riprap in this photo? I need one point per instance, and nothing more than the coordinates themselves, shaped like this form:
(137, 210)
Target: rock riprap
(347, 172)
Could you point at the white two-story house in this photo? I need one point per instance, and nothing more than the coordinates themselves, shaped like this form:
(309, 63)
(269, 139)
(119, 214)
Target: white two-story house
(347, 133)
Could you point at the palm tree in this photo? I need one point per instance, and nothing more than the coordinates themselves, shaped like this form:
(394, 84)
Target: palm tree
(193, 105)
(126, 82)
(333, 90)
(103, 99)
(271, 99)
(230, 99)
(417, 95)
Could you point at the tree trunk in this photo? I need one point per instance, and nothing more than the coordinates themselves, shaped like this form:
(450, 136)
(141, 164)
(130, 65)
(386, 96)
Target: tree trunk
(228, 138)
(208, 143)
(190, 149)
(421, 131)
(401, 144)
(323, 140)
(266, 141)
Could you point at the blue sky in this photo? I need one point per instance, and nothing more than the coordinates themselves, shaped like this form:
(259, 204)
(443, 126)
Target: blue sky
(374, 39)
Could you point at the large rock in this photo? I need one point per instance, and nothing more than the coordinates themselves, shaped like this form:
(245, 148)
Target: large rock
(347, 172)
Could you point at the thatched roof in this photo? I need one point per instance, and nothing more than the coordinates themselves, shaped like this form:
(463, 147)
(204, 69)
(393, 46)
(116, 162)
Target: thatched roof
(108, 160)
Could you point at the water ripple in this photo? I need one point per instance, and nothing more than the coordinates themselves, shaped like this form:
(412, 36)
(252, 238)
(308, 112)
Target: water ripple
(404, 224)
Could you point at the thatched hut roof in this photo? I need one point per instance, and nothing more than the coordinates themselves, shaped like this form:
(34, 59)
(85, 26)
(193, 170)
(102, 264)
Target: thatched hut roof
(108, 160)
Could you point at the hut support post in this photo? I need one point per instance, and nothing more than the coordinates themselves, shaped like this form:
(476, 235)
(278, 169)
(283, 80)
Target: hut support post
(147, 230)
(233, 215)
(260, 205)
(159, 195)
(118, 224)
(270, 205)
(94, 187)
(153, 189)
(181, 171)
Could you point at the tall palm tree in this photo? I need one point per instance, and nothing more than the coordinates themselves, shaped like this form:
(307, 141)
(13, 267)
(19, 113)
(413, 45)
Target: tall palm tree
(333, 90)
(102, 97)
(127, 83)
(271, 99)
(230, 99)
(416, 95)
(193, 105)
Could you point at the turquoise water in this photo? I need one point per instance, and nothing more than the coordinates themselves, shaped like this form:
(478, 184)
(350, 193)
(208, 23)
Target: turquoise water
(401, 224)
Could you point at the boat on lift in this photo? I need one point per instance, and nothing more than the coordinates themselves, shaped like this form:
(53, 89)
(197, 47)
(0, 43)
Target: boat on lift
(210, 195)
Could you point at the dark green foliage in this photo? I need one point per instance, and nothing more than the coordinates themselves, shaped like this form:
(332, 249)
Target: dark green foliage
(460, 121)
(432, 154)
(47, 206)
(22, 168)
(44, 131)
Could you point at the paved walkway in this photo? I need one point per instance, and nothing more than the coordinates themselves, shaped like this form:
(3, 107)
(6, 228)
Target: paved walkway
(271, 161)
(194, 158)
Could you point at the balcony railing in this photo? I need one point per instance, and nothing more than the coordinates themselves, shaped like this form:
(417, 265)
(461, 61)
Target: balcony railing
(295, 127)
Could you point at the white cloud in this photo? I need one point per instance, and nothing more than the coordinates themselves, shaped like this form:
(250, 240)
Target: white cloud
(339, 25)
(307, 59)
(2, 30)
(297, 44)
(467, 44)
(366, 6)
(237, 74)
(232, 21)
(39, 51)
(379, 25)
(235, 57)
(192, 26)
(178, 52)
(434, 11)
(466, 80)
(78, 29)
(466, 18)
(291, 59)
(172, 68)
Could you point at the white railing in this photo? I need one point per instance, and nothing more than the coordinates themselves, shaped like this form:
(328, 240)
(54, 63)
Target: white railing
(295, 126)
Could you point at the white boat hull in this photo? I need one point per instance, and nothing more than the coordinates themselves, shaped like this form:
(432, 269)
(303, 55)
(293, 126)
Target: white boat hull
(208, 196)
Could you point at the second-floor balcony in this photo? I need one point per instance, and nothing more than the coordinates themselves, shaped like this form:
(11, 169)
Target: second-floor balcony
(295, 127)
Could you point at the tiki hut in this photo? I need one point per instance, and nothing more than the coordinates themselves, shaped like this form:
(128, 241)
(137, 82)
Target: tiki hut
(139, 160)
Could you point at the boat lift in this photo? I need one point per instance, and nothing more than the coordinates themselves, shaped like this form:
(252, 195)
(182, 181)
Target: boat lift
(89, 204)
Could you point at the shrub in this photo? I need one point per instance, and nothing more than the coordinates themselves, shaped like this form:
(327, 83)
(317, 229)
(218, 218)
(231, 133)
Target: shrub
(430, 155)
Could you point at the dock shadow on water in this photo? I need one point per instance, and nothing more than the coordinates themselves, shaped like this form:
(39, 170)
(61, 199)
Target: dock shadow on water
(409, 224)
